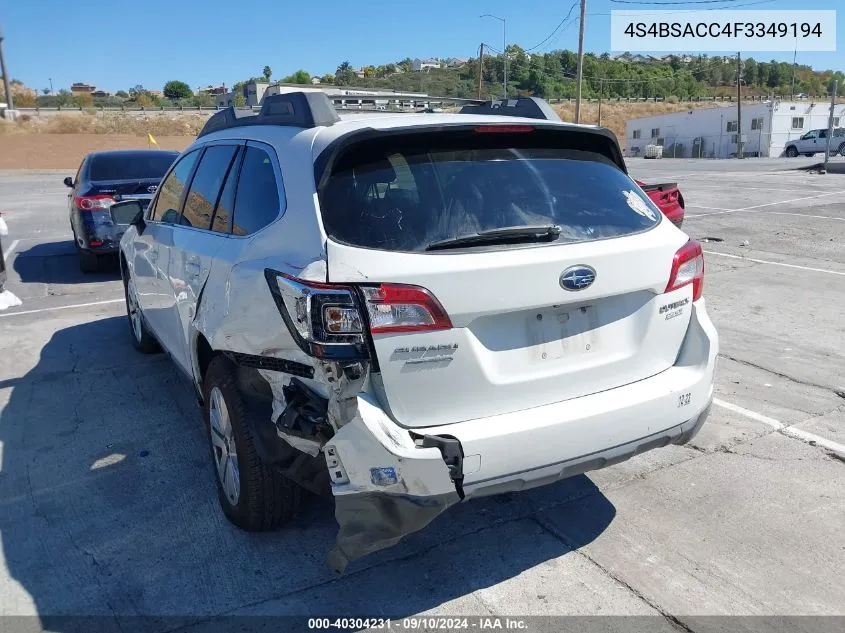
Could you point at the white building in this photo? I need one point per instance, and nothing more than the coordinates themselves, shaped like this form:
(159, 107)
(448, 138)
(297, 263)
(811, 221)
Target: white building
(712, 132)
(424, 64)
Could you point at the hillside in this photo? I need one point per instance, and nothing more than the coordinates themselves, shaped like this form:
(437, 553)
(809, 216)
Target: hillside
(552, 75)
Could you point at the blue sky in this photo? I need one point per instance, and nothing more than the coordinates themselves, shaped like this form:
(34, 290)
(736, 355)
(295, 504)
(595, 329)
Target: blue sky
(116, 44)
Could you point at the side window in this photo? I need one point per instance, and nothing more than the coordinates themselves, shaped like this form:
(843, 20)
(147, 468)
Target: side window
(167, 204)
(222, 222)
(257, 199)
(206, 185)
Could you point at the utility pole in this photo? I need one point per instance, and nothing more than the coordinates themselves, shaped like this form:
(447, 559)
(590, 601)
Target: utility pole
(830, 123)
(51, 86)
(601, 91)
(504, 49)
(505, 53)
(794, 58)
(9, 105)
(738, 106)
(480, 68)
(580, 61)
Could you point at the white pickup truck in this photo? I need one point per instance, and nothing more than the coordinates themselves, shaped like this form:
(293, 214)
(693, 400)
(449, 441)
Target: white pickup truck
(815, 141)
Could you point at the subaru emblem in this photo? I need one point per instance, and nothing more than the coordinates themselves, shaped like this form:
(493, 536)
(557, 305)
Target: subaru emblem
(577, 277)
(152, 188)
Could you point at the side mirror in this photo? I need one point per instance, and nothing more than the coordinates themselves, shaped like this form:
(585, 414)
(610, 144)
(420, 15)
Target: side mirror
(127, 212)
(68, 182)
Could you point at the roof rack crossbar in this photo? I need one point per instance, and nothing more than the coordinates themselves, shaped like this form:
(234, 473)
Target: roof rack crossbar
(526, 107)
(294, 109)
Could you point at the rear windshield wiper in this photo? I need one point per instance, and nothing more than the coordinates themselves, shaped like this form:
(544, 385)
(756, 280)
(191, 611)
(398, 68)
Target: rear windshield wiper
(505, 235)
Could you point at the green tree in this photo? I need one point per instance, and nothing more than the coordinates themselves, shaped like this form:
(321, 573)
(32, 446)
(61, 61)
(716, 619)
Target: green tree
(177, 90)
(344, 74)
(240, 102)
(328, 78)
(267, 72)
(299, 77)
(122, 94)
(63, 98)
(203, 99)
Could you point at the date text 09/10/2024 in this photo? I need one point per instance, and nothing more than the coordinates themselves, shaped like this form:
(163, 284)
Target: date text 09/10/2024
(429, 623)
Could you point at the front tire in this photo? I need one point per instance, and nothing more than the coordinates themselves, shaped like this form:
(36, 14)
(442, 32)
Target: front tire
(791, 152)
(842, 149)
(142, 339)
(253, 495)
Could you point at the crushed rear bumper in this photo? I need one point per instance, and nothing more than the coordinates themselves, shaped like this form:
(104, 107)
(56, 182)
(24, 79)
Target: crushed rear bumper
(387, 484)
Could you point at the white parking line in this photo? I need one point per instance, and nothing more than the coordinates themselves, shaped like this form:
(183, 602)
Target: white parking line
(76, 305)
(763, 261)
(798, 434)
(9, 250)
(804, 215)
(769, 204)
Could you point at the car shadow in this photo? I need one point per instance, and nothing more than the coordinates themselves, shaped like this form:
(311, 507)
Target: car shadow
(58, 263)
(109, 517)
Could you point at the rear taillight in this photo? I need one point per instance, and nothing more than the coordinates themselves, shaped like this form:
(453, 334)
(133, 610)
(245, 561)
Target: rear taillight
(325, 317)
(688, 268)
(94, 203)
(401, 308)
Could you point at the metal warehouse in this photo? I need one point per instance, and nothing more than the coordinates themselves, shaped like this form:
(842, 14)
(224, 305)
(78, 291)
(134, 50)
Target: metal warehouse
(712, 132)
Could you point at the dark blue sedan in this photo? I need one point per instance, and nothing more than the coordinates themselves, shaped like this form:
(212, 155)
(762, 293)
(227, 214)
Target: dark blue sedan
(104, 178)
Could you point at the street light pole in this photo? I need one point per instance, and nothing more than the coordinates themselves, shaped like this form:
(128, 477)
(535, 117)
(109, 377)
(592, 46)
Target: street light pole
(51, 85)
(504, 49)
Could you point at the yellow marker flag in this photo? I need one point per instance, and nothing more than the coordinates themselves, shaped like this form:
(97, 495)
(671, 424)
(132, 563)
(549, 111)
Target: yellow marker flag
(151, 139)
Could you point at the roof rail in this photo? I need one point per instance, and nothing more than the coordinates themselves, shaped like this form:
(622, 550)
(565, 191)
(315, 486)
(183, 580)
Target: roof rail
(527, 107)
(294, 109)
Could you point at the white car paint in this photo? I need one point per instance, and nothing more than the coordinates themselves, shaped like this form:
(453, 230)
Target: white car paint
(605, 376)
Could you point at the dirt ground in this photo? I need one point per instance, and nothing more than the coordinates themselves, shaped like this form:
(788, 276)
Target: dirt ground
(66, 151)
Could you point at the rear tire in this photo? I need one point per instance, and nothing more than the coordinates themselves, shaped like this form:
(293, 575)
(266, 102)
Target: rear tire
(842, 149)
(142, 338)
(791, 152)
(253, 495)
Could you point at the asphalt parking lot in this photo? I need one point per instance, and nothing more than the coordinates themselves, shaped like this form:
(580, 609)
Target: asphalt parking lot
(107, 504)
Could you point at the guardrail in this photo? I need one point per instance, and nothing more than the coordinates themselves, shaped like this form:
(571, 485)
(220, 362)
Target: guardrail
(402, 102)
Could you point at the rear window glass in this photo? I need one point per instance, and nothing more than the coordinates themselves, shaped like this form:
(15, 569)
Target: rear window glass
(404, 193)
(131, 167)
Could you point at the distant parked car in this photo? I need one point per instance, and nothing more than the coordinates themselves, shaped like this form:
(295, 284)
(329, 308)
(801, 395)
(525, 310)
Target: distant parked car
(815, 141)
(668, 199)
(104, 178)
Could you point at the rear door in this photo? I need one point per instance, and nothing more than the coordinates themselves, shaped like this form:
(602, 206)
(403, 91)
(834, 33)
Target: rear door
(195, 244)
(532, 321)
(153, 247)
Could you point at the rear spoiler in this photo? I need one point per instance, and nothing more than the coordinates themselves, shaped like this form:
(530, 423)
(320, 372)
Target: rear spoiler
(664, 186)
(525, 107)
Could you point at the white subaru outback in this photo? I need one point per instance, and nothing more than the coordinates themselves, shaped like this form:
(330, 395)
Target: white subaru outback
(410, 310)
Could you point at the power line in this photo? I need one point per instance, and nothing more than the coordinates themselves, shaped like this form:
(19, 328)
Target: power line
(681, 12)
(560, 24)
(653, 3)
